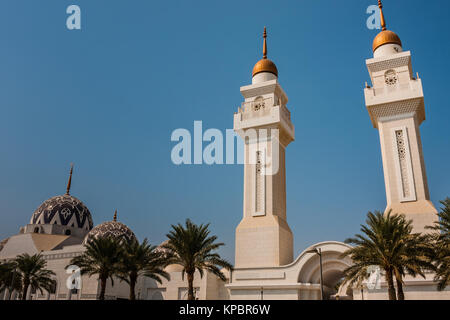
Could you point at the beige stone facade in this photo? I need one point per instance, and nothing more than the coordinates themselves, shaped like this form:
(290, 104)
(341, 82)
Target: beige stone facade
(263, 237)
(265, 267)
(396, 107)
(208, 287)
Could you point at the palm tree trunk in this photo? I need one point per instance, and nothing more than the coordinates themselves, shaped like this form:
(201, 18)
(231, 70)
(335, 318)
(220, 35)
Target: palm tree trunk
(400, 294)
(102, 289)
(133, 280)
(190, 277)
(390, 281)
(25, 290)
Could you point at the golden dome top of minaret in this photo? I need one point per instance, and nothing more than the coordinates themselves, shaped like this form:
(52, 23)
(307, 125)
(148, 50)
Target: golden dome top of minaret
(265, 65)
(385, 36)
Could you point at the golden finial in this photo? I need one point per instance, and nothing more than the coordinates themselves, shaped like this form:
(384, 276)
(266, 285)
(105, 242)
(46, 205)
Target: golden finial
(265, 44)
(69, 183)
(385, 36)
(383, 22)
(265, 65)
(115, 215)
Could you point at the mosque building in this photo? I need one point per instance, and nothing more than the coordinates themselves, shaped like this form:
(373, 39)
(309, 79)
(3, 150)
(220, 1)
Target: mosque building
(59, 229)
(264, 263)
(265, 266)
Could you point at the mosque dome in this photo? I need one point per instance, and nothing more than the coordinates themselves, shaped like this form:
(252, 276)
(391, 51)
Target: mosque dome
(64, 210)
(161, 249)
(174, 268)
(111, 229)
(171, 267)
(265, 65)
(385, 36)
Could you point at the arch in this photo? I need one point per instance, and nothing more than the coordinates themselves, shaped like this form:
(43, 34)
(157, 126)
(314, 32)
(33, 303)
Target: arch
(333, 267)
(52, 288)
(51, 293)
(304, 272)
(157, 295)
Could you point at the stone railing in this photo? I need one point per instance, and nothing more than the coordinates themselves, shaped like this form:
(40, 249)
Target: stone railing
(61, 255)
(285, 113)
(387, 89)
(259, 107)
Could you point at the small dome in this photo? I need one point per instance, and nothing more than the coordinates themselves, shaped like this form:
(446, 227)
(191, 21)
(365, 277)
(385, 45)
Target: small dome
(165, 252)
(161, 249)
(265, 65)
(385, 37)
(64, 210)
(174, 268)
(111, 229)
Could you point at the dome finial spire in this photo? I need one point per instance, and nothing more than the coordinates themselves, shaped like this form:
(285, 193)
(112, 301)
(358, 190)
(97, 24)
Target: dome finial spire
(265, 44)
(385, 36)
(383, 22)
(115, 215)
(69, 183)
(265, 65)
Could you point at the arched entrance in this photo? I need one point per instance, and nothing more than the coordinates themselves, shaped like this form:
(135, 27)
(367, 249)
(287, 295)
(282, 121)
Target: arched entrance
(333, 267)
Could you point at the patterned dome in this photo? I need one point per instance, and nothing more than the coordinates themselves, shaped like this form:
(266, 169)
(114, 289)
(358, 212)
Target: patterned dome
(162, 250)
(111, 229)
(165, 252)
(64, 210)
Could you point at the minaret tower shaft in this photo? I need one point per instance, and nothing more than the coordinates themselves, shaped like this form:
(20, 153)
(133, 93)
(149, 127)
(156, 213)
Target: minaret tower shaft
(395, 103)
(263, 237)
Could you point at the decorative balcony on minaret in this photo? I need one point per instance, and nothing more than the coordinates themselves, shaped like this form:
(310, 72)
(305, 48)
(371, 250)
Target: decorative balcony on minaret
(396, 107)
(263, 237)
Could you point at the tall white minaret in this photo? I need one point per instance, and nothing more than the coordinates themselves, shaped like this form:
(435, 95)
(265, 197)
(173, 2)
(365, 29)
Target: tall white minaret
(263, 237)
(396, 107)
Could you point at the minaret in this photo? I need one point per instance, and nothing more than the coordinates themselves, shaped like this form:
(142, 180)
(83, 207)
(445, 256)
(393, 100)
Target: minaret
(263, 237)
(396, 107)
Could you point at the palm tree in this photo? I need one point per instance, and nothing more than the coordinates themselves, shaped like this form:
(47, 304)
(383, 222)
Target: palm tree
(32, 272)
(388, 243)
(412, 256)
(102, 257)
(9, 278)
(141, 259)
(6, 272)
(441, 245)
(193, 248)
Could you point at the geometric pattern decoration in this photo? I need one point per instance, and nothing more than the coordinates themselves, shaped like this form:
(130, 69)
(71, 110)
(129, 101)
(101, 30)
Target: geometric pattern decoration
(401, 149)
(258, 108)
(111, 229)
(389, 64)
(259, 183)
(397, 108)
(163, 251)
(390, 77)
(63, 210)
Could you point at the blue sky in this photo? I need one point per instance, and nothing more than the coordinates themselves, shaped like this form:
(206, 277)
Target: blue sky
(108, 97)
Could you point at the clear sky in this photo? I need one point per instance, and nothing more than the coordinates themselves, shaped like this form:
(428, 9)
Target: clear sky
(107, 97)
